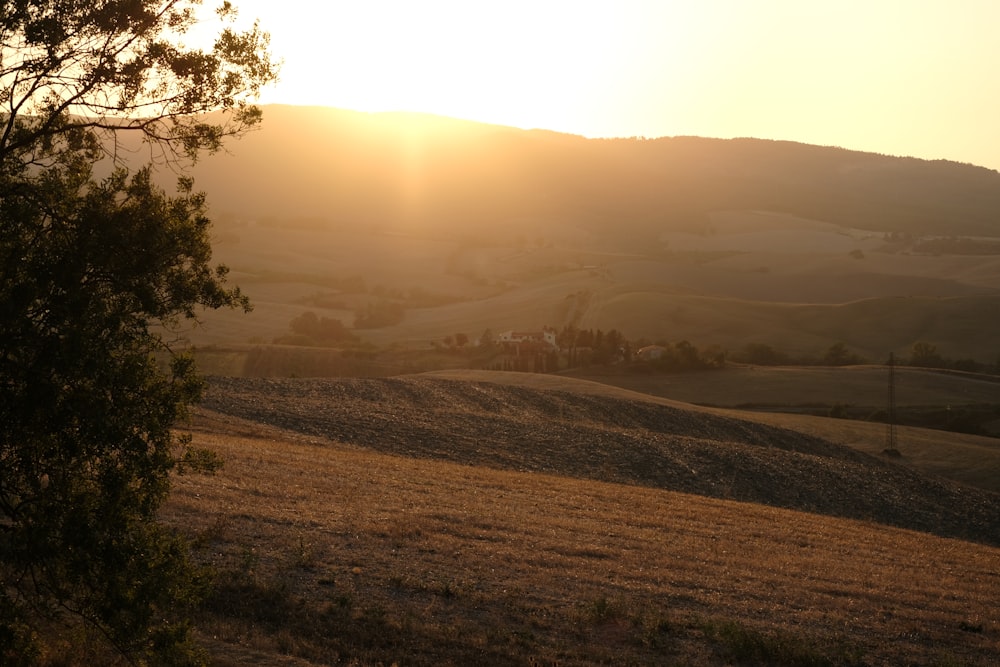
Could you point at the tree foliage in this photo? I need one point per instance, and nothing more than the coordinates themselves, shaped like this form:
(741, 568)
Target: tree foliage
(761, 354)
(73, 73)
(95, 274)
(683, 356)
(839, 355)
(926, 355)
(311, 329)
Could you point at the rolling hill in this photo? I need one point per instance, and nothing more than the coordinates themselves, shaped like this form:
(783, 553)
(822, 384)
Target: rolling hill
(510, 519)
(405, 171)
(469, 227)
(633, 442)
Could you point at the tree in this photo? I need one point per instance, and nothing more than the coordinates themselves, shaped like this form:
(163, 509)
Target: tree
(686, 356)
(75, 74)
(714, 356)
(608, 347)
(315, 330)
(487, 339)
(762, 354)
(95, 275)
(925, 355)
(838, 355)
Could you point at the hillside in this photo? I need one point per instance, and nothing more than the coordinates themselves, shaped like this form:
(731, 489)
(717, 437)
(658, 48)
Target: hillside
(405, 171)
(611, 439)
(466, 227)
(799, 300)
(792, 397)
(327, 554)
(533, 520)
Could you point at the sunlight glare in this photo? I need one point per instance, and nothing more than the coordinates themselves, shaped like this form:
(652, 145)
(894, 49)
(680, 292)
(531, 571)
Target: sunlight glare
(526, 64)
(888, 77)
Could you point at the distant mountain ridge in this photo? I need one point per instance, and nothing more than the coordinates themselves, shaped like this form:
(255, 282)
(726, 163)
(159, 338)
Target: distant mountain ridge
(392, 170)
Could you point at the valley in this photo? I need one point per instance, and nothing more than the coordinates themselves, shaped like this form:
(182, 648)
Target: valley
(468, 228)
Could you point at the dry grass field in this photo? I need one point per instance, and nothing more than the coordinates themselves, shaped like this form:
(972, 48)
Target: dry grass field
(331, 555)
(346, 528)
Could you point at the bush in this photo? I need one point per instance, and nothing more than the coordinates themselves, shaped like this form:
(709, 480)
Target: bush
(761, 354)
(309, 329)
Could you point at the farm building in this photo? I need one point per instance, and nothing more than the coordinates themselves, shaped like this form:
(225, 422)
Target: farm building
(544, 338)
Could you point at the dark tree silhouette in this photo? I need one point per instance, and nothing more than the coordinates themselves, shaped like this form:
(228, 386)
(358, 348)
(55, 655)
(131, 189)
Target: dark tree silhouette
(94, 274)
(926, 355)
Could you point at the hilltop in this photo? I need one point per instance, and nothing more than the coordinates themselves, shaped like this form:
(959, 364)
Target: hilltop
(405, 171)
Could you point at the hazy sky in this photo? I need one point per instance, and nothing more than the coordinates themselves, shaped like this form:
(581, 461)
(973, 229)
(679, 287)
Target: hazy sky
(904, 77)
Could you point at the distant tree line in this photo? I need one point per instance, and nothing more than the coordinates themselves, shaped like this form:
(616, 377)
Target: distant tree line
(580, 348)
(922, 355)
(762, 354)
(926, 355)
(590, 346)
(683, 356)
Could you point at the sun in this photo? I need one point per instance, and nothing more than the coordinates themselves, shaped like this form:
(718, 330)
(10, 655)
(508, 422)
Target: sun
(898, 80)
(527, 64)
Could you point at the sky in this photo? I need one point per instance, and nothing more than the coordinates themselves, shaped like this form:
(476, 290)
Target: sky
(901, 77)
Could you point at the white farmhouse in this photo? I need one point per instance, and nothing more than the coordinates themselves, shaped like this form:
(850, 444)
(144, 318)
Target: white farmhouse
(545, 337)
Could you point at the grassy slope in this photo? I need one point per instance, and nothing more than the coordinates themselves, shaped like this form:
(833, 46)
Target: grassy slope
(331, 554)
